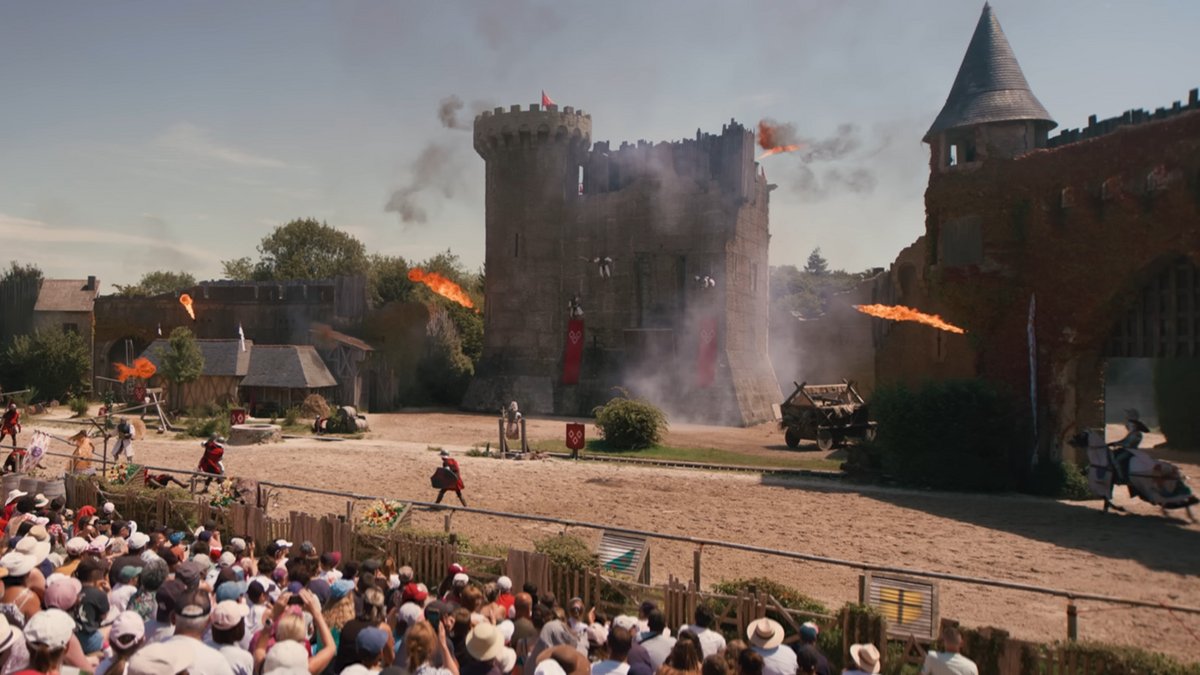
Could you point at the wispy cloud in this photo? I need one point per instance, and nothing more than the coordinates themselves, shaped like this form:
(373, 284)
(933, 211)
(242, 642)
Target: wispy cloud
(16, 229)
(190, 139)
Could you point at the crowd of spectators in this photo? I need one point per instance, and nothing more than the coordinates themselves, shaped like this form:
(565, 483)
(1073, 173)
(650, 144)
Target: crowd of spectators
(89, 591)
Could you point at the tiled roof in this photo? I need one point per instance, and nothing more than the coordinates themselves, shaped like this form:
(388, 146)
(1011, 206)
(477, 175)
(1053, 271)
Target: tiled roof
(287, 366)
(990, 86)
(222, 358)
(66, 295)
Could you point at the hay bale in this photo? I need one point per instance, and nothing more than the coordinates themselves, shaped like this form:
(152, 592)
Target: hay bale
(139, 428)
(253, 434)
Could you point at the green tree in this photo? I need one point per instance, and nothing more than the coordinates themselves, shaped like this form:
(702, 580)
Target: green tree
(444, 371)
(816, 265)
(181, 361)
(18, 294)
(388, 281)
(158, 283)
(307, 249)
(55, 362)
(238, 269)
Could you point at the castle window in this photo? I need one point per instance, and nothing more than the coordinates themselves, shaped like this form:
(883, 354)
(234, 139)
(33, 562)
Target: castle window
(580, 179)
(953, 160)
(517, 245)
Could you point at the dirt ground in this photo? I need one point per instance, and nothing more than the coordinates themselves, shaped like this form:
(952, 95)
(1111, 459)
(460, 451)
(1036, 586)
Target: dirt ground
(1064, 545)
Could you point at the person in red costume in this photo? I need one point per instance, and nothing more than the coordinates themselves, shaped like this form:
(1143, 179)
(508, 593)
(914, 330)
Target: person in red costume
(211, 463)
(10, 424)
(449, 477)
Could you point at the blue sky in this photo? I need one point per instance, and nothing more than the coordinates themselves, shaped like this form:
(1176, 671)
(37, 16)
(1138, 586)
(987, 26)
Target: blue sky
(172, 135)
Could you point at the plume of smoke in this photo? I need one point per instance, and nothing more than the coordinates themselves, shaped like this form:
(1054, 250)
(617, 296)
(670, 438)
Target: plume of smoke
(814, 188)
(448, 112)
(436, 168)
(831, 149)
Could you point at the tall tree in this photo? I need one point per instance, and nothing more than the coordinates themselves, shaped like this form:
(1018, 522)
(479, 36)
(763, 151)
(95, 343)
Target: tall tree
(817, 264)
(388, 280)
(307, 249)
(181, 360)
(238, 269)
(18, 294)
(158, 283)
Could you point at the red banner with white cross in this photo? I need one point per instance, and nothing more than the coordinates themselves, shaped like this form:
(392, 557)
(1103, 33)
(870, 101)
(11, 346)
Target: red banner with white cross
(706, 355)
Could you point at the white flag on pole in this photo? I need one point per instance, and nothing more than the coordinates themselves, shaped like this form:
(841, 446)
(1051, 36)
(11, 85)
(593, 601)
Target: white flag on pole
(241, 338)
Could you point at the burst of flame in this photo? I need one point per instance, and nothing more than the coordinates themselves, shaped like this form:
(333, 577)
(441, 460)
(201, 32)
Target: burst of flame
(442, 286)
(186, 301)
(901, 313)
(142, 369)
(776, 138)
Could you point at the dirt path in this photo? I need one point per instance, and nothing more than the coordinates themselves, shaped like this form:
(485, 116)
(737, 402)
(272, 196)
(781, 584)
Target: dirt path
(1037, 541)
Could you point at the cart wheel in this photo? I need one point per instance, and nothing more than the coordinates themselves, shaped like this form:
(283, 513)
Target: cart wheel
(869, 434)
(824, 440)
(792, 438)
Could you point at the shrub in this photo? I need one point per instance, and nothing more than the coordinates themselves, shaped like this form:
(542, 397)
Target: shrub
(78, 405)
(568, 552)
(444, 371)
(53, 361)
(1061, 481)
(787, 596)
(203, 427)
(291, 416)
(1114, 660)
(630, 423)
(314, 406)
(952, 434)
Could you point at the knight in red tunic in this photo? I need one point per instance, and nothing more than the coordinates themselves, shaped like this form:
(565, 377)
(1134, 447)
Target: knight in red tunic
(10, 424)
(448, 477)
(210, 462)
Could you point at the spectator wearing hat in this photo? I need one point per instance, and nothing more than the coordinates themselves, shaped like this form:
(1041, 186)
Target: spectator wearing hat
(427, 643)
(20, 599)
(328, 563)
(865, 658)
(949, 661)
(711, 641)
(658, 644)
(562, 659)
(75, 548)
(484, 644)
(46, 637)
(505, 597)
(14, 654)
(278, 551)
(125, 589)
(287, 656)
(62, 592)
(766, 639)
(457, 584)
(373, 615)
(619, 642)
(339, 610)
(159, 627)
(192, 617)
(371, 645)
(639, 658)
(228, 630)
(162, 659)
(808, 645)
(266, 568)
(127, 635)
(258, 606)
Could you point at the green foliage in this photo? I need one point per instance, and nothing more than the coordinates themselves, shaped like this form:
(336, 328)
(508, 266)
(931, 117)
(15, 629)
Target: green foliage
(158, 283)
(78, 405)
(952, 434)
(1176, 389)
(1060, 481)
(305, 249)
(19, 286)
(387, 280)
(568, 552)
(469, 325)
(630, 423)
(181, 360)
(816, 265)
(54, 361)
(238, 269)
(1112, 660)
(807, 293)
(787, 596)
(444, 371)
(291, 416)
(203, 427)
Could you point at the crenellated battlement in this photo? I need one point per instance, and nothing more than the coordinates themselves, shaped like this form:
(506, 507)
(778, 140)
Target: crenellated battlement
(1096, 128)
(500, 128)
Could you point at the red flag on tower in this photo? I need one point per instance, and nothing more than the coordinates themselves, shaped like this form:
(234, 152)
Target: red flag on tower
(546, 100)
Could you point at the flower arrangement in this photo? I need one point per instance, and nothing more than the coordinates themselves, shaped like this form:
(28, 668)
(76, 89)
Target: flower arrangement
(384, 514)
(118, 473)
(226, 493)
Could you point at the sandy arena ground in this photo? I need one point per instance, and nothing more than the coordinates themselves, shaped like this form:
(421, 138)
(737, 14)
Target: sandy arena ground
(1011, 537)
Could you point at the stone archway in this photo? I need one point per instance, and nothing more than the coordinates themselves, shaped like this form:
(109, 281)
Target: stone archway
(1153, 344)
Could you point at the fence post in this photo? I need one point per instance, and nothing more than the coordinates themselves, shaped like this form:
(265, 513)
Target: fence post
(1072, 620)
(696, 567)
(446, 522)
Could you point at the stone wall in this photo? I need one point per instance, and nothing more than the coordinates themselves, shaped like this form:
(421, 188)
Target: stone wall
(665, 214)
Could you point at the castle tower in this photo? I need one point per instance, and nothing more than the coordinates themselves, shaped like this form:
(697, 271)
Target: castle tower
(532, 162)
(991, 111)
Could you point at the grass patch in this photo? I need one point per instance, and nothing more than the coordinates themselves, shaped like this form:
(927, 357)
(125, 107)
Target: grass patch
(703, 455)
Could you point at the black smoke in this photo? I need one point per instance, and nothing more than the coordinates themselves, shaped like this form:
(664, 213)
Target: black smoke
(435, 169)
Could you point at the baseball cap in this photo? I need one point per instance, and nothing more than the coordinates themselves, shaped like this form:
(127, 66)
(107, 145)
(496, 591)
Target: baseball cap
(193, 605)
(76, 545)
(127, 629)
(307, 548)
(371, 641)
(139, 540)
(63, 592)
(411, 613)
(461, 578)
(228, 614)
(231, 590)
(161, 658)
(331, 558)
(167, 598)
(413, 593)
(128, 572)
(625, 621)
(189, 573)
(52, 628)
(227, 559)
(340, 589)
(286, 654)
(237, 544)
(504, 584)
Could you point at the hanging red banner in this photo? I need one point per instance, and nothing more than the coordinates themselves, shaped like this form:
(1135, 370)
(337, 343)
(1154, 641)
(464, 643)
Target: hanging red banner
(706, 355)
(573, 356)
(575, 436)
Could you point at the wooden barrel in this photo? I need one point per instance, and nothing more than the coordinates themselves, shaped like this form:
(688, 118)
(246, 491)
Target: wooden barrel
(10, 482)
(29, 485)
(54, 488)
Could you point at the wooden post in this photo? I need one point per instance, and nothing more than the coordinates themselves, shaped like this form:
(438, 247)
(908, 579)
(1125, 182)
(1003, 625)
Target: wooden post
(1072, 620)
(503, 440)
(349, 511)
(696, 567)
(447, 521)
(524, 441)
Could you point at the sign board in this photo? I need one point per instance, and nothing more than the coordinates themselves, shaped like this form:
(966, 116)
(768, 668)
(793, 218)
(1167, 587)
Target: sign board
(910, 605)
(237, 416)
(626, 554)
(576, 436)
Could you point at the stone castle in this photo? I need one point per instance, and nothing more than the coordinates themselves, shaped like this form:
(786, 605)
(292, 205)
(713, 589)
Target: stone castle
(659, 249)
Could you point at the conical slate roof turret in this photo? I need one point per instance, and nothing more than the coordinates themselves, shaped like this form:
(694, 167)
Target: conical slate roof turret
(990, 86)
